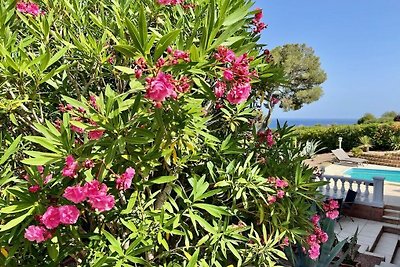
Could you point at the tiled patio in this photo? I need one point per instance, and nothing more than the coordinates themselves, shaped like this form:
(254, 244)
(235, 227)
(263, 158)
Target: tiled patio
(372, 238)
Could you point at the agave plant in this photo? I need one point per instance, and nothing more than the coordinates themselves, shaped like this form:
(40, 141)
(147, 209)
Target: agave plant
(311, 148)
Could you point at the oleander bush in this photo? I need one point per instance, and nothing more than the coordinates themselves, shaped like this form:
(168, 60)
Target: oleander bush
(130, 137)
(379, 133)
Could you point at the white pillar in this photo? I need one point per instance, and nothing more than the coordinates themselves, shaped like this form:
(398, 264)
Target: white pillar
(378, 191)
(340, 142)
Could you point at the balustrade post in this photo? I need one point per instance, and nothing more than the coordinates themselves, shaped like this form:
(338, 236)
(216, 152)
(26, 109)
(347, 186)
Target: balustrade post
(378, 191)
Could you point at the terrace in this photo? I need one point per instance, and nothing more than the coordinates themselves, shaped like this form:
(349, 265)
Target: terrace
(376, 212)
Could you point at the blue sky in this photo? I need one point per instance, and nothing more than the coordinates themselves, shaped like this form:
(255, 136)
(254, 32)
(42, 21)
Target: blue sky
(358, 42)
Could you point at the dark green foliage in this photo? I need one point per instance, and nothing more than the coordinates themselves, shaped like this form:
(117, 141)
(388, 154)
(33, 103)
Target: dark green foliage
(303, 72)
(386, 117)
(380, 135)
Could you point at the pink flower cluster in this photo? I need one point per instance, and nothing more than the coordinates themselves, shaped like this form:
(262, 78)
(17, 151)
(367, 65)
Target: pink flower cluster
(37, 233)
(236, 76)
(71, 167)
(316, 238)
(30, 8)
(331, 209)
(51, 219)
(266, 137)
(165, 86)
(94, 192)
(170, 2)
(259, 26)
(280, 184)
(124, 181)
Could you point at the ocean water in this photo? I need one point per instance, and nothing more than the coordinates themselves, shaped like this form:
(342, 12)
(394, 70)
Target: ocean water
(311, 122)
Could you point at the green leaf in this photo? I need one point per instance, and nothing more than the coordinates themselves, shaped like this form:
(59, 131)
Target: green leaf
(11, 150)
(234, 252)
(163, 179)
(14, 222)
(127, 50)
(204, 224)
(212, 209)
(115, 244)
(164, 42)
(143, 26)
(125, 70)
(53, 251)
(193, 259)
(44, 142)
(57, 56)
(15, 208)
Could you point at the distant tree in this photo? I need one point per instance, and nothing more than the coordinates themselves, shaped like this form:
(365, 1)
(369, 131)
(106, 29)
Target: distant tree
(301, 85)
(367, 118)
(397, 118)
(388, 116)
(304, 75)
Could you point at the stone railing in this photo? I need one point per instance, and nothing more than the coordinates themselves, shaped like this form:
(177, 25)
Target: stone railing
(370, 193)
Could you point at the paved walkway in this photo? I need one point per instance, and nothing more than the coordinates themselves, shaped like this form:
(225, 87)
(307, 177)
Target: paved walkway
(373, 237)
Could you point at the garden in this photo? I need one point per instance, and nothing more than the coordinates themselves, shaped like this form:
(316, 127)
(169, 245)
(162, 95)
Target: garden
(132, 134)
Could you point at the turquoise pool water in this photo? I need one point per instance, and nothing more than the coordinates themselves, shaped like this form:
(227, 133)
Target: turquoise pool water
(360, 173)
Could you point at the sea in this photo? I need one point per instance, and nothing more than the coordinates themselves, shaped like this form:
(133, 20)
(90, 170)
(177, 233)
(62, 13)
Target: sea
(310, 122)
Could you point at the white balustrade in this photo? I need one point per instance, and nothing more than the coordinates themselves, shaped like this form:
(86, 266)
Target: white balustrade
(337, 187)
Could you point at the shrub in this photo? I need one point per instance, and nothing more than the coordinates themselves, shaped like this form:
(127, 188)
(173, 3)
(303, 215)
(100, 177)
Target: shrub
(153, 157)
(380, 135)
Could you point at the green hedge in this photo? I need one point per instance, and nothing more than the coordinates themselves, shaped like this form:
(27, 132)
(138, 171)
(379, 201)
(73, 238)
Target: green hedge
(380, 134)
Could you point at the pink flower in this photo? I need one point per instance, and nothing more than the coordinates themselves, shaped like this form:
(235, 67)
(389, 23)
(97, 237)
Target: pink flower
(33, 9)
(95, 188)
(333, 214)
(88, 164)
(323, 237)
(93, 101)
(224, 55)
(274, 100)
(47, 179)
(124, 181)
(75, 194)
(34, 188)
(40, 169)
(228, 75)
(285, 241)
(69, 214)
(21, 7)
(51, 218)
(280, 194)
(77, 129)
(37, 233)
(314, 251)
(160, 87)
(95, 134)
(178, 54)
(219, 90)
(239, 93)
(258, 16)
(70, 168)
(138, 73)
(281, 183)
(169, 2)
(315, 219)
(271, 199)
(102, 202)
(260, 26)
(311, 239)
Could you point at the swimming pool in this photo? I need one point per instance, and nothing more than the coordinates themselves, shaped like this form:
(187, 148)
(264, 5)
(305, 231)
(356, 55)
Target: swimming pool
(360, 173)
